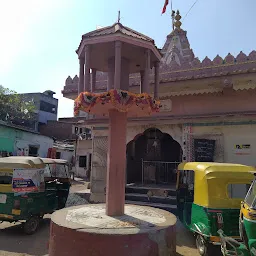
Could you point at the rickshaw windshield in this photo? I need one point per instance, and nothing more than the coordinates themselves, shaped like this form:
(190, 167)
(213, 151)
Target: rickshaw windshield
(250, 198)
(59, 170)
(5, 178)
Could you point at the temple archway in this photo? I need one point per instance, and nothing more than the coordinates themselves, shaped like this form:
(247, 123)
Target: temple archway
(152, 157)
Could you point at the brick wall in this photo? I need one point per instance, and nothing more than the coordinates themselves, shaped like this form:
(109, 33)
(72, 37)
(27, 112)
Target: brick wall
(57, 129)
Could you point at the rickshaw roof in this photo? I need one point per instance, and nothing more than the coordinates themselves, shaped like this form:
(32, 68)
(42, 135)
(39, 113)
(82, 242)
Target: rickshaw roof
(211, 182)
(54, 161)
(21, 162)
(205, 167)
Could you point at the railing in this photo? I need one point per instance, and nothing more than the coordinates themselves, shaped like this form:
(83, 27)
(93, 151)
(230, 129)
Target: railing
(159, 172)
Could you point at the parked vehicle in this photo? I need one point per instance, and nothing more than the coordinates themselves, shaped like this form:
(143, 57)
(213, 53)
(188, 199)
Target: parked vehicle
(209, 197)
(247, 228)
(24, 196)
(57, 176)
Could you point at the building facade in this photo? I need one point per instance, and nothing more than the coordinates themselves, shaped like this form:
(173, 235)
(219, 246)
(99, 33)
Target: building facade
(19, 141)
(46, 107)
(208, 114)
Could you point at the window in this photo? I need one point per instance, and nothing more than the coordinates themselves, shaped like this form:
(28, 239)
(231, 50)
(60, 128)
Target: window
(33, 151)
(237, 190)
(48, 107)
(58, 155)
(251, 196)
(186, 177)
(90, 160)
(83, 161)
(5, 178)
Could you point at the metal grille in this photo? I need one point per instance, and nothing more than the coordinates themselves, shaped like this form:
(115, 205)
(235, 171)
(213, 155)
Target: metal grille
(159, 172)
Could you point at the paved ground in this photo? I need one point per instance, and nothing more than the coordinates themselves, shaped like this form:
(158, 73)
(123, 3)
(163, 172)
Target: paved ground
(14, 243)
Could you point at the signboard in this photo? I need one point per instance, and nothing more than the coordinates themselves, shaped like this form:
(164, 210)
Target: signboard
(166, 106)
(3, 198)
(27, 180)
(242, 149)
(204, 150)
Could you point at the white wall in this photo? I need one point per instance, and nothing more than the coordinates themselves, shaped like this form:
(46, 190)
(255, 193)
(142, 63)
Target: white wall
(65, 154)
(84, 148)
(234, 135)
(42, 142)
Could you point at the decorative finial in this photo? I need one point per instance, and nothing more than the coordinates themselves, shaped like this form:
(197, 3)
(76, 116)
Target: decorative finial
(118, 19)
(177, 23)
(173, 17)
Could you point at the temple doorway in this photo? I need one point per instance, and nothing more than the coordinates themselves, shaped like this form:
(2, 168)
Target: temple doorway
(152, 158)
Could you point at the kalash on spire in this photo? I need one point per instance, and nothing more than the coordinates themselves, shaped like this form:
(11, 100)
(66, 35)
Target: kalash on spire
(177, 22)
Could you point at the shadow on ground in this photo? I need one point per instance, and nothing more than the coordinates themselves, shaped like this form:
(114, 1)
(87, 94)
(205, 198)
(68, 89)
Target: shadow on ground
(13, 240)
(186, 243)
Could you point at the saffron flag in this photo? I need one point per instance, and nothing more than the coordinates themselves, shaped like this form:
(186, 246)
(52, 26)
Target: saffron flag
(165, 5)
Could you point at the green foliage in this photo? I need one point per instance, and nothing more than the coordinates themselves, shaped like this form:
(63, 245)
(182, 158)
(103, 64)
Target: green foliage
(14, 108)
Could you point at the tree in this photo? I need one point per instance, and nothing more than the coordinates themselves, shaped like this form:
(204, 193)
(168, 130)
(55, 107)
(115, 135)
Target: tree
(15, 108)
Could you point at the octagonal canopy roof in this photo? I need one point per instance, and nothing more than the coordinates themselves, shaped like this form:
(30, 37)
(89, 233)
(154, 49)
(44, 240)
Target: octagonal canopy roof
(115, 28)
(102, 46)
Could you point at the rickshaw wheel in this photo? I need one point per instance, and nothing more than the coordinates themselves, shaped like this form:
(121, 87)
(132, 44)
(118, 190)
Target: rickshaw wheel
(201, 245)
(31, 225)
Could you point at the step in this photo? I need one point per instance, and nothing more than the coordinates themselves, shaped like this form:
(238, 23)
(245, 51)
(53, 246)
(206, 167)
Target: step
(144, 190)
(167, 207)
(153, 199)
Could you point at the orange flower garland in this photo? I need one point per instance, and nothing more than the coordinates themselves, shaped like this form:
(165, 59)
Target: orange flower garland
(121, 100)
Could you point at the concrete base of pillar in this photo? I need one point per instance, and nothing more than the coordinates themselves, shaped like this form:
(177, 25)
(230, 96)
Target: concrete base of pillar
(97, 197)
(86, 230)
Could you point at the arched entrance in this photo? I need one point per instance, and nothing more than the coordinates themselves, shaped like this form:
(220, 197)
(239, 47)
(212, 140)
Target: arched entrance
(152, 157)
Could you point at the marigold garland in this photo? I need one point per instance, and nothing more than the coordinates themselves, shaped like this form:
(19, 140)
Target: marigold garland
(119, 99)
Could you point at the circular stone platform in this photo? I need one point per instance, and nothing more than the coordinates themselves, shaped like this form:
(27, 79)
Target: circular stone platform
(86, 230)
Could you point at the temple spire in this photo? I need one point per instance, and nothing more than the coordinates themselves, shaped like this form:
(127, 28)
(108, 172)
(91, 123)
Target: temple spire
(177, 23)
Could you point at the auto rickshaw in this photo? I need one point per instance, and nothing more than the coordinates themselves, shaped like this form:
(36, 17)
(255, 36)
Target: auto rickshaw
(208, 199)
(23, 194)
(247, 227)
(57, 175)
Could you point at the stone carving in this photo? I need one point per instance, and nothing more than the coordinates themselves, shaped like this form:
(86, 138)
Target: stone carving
(206, 62)
(227, 82)
(252, 55)
(166, 105)
(241, 57)
(229, 59)
(217, 60)
(99, 166)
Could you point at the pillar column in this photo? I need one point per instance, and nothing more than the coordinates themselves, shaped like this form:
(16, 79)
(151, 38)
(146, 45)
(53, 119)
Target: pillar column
(156, 85)
(118, 53)
(93, 79)
(142, 81)
(116, 170)
(87, 69)
(81, 76)
(125, 72)
(111, 73)
(146, 73)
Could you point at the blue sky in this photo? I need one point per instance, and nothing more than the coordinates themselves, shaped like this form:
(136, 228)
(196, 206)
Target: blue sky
(39, 37)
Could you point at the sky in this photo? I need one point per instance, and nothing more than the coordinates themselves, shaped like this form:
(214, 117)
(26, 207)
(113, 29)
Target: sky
(39, 37)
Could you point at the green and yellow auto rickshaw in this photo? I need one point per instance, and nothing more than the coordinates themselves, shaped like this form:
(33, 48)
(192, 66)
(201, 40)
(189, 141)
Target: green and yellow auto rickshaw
(209, 197)
(247, 228)
(57, 175)
(23, 194)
